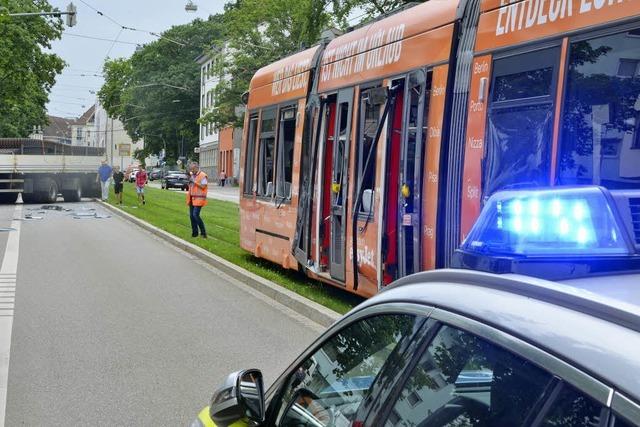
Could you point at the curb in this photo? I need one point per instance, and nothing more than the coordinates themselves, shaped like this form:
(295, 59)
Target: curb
(309, 309)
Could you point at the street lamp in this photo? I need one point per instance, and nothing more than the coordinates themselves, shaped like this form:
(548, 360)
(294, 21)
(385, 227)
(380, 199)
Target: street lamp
(71, 14)
(191, 7)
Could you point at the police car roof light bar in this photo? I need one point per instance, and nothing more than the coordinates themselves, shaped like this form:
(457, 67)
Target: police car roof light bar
(560, 232)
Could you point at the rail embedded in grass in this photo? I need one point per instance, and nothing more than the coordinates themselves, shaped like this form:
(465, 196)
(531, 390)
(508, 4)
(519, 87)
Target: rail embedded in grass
(167, 210)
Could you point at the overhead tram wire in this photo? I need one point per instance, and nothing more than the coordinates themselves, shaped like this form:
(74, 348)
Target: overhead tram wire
(100, 38)
(124, 27)
(113, 44)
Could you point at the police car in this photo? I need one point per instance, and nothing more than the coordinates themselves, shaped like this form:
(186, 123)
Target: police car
(539, 325)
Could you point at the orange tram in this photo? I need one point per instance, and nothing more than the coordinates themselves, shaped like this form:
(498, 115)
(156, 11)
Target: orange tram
(368, 158)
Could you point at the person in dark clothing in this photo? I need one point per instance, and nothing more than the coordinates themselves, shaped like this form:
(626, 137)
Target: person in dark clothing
(118, 178)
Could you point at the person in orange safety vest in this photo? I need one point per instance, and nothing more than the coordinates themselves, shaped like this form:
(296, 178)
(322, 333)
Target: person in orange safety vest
(196, 199)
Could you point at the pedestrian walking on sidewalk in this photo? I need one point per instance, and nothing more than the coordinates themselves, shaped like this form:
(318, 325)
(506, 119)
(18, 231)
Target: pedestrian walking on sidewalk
(223, 178)
(118, 178)
(104, 175)
(196, 199)
(141, 181)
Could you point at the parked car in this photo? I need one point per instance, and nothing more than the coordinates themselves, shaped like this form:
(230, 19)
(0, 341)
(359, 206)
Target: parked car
(155, 174)
(175, 179)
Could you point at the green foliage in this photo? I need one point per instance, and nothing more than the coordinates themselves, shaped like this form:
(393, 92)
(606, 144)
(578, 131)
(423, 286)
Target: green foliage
(156, 92)
(27, 73)
(260, 32)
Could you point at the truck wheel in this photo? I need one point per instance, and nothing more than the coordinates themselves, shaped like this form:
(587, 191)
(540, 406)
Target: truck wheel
(73, 195)
(8, 198)
(51, 195)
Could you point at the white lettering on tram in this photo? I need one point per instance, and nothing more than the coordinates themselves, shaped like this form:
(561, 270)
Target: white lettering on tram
(438, 91)
(365, 256)
(475, 143)
(481, 67)
(473, 192)
(290, 78)
(476, 107)
(428, 231)
(384, 47)
(515, 15)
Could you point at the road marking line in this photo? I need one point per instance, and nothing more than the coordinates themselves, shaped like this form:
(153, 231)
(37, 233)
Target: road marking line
(8, 272)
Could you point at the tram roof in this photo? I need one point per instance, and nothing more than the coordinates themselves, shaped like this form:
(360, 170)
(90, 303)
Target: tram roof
(285, 79)
(415, 37)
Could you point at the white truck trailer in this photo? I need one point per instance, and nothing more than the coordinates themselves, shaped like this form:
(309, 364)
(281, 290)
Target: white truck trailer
(41, 170)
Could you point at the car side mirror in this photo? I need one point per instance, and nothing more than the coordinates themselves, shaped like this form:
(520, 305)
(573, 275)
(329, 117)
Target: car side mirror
(241, 397)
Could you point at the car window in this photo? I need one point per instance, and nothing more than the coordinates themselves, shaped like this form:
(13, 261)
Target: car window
(463, 380)
(622, 423)
(329, 386)
(572, 408)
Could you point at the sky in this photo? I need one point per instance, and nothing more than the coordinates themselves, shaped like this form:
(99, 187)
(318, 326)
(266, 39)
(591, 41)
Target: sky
(74, 91)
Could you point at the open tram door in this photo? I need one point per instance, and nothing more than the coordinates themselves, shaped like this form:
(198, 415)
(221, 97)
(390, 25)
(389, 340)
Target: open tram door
(406, 134)
(411, 172)
(339, 183)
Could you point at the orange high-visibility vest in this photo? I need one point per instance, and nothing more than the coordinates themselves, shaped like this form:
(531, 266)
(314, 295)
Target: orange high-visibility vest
(197, 194)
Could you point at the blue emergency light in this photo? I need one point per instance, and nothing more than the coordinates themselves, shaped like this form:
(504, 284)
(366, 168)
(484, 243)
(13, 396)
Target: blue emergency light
(553, 233)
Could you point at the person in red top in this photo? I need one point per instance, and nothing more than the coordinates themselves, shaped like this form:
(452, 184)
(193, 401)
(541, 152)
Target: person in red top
(141, 181)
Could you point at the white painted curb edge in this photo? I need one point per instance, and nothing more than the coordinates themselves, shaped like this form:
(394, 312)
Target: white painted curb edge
(310, 309)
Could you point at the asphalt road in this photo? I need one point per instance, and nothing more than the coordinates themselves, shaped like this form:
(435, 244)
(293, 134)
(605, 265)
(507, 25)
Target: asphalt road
(115, 327)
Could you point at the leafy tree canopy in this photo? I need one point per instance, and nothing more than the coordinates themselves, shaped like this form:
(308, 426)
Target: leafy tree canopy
(156, 92)
(27, 73)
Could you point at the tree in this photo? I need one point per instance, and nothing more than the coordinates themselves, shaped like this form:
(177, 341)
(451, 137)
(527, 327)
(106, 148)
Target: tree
(27, 73)
(260, 32)
(156, 92)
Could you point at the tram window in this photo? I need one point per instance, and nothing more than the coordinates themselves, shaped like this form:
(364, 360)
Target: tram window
(525, 84)
(250, 155)
(520, 121)
(600, 141)
(340, 150)
(371, 106)
(266, 153)
(285, 154)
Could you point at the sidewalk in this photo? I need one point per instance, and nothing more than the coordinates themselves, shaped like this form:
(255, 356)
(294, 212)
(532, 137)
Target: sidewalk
(227, 193)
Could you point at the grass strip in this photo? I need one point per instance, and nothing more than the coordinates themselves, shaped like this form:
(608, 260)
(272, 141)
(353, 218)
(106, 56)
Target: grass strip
(166, 209)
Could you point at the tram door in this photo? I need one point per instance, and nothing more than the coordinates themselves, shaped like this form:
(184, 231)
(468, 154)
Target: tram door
(339, 181)
(411, 172)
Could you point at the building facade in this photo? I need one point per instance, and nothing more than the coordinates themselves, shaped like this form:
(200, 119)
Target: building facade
(83, 130)
(58, 129)
(110, 134)
(219, 148)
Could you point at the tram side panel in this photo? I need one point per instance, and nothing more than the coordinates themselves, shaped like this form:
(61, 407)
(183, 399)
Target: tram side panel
(554, 99)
